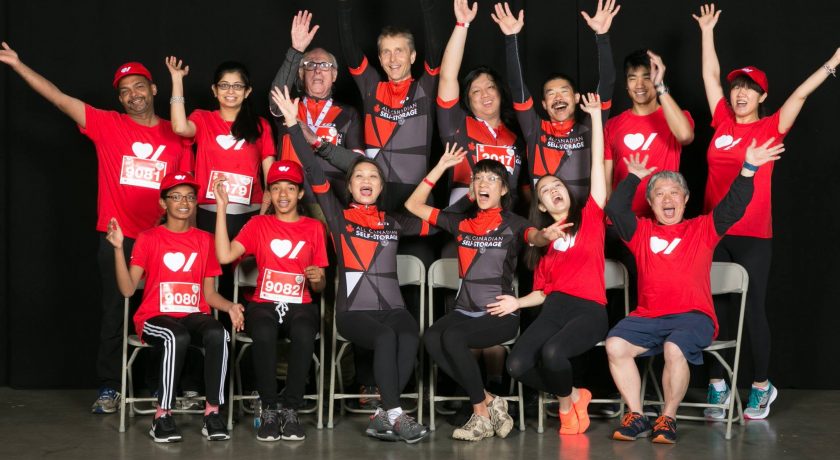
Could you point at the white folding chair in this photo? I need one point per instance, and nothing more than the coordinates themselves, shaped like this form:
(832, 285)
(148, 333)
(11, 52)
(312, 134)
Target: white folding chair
(410, 271)
(726, 278)
(444, 274)
(615, 277)
(245, 275)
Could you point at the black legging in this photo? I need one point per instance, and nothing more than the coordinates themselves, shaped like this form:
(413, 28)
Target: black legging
(754, 254)
(393, 335)
(301, 323)
(109, 354)
(450, 341)
(567, 327)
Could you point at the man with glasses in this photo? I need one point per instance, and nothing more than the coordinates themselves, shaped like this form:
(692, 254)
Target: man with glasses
(135, 150)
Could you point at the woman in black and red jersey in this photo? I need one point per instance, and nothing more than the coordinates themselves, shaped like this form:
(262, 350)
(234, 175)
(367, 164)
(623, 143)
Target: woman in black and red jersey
(569, 283)
(737, 120)
(488, 247)
(178, 263)
(370, 311)
(291, 255)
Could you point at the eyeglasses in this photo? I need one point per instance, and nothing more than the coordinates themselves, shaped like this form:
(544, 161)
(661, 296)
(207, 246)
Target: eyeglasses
(492, 178)
(224, 86)
(312, 65)
(179, 197)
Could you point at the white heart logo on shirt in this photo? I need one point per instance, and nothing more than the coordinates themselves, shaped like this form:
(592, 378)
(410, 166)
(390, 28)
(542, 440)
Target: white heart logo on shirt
(657, 245)
(226, 141)
(174, 260)
(141, 149)
(563, 244)
(634, 141)
(281, 247)
(723, 141)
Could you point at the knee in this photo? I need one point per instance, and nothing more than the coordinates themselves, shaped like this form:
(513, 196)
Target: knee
(554, 359)
(215, 335)
(515, 366)
(386, 338)
(618, 348)
(262, 331)
(673, 353)
(303, 331)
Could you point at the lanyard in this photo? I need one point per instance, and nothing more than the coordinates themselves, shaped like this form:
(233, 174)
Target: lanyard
(321, 116)
(489, 128)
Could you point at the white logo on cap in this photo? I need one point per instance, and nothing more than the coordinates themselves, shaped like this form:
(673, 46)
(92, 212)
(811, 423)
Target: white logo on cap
(125, 69)
(746, 69)
(283, 168)
(180, 177)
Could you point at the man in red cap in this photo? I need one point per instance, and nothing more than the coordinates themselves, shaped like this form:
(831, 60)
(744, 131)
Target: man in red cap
(135, 151)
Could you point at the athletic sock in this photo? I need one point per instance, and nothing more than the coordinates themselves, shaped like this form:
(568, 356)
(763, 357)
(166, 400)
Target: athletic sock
(393, 414)
(719, 385)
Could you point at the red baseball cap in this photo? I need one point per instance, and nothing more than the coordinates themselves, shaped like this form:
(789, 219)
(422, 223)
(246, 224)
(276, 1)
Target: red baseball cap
(177, 178)
(285, 170)
(753, 73)
(131, 68)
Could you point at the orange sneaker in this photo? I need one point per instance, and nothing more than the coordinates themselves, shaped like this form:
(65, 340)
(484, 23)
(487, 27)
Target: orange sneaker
(581, 408)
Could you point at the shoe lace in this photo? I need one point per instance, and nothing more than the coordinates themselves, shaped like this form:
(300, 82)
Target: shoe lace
(269, 416)
(107, 393)
(629, 418)
(756, 396)
(663, 424)
(405, 422)
(289, 416)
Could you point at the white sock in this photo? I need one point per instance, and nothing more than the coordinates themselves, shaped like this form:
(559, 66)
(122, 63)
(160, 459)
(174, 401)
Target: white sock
(764, 388)
(719, 385)
(393, 414)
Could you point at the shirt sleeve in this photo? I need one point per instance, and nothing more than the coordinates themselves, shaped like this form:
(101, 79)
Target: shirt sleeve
(722, 113)
(733, 206)
(94, 121)
(266, 140)
(450, 117)
(449, 221)
(140, 252)
(620, 207)
(286, 76)
(411, 225)
(319, 255)
(606, 72)
(245, 237)
(353, 136)
(211, 267)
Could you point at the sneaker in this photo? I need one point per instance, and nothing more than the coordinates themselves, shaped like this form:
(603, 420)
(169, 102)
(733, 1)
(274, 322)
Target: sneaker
(269, 429)
(380, 428)
(408, 429)
(107, 402)
(716, 397)
(499, 417)
(633, 425)
(758, 407)
(369, 402)
(290, 426)
(476, 429)
(164, 429)
(665, 430)
(214, 428)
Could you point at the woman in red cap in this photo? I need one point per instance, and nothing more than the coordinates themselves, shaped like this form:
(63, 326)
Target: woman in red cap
(737, 122)
(178, 263)
(291, 255)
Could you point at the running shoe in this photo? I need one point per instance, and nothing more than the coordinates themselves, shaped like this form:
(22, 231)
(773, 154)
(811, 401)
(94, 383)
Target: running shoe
(499, 417)
(665, 430)
(107, 401)
(633, 426)
(476, 429)
(370, 400)
(380, 428)
(758, 407)
(290, 426)
(269, 426)
(214, 428)
(407, 428)
(716, 397)
(164, 429)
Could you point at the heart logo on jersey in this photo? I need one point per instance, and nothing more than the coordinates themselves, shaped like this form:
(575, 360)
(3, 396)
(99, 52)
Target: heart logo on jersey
(225, 141)
(634, 141)
(658, 245)
(142, 150)
(563, 244)
(725, 141)
(174, 260)
(281, 247)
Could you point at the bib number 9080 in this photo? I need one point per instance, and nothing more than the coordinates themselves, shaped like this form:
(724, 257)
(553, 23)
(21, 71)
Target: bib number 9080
(179, 297)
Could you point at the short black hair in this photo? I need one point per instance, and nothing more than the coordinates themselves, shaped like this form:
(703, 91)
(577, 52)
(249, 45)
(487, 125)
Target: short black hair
(349, 174)
(638, 58)
(494, 167)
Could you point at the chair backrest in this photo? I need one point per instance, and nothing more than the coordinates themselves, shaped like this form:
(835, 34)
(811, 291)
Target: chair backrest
(410, 270)
(615, 275)
(444, 274)
(245, 275)
(729, 278)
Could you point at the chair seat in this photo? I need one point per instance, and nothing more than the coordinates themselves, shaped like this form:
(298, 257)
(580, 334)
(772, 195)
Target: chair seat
(245, 338)
(135, 341)
(721, 345)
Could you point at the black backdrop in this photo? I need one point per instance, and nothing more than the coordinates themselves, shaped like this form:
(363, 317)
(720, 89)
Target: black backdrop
(49, 313)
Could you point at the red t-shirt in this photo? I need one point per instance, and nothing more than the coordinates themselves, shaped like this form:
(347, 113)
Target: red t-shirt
(175, 266)
(726, 156)
(649, 135)
(674, 262)
(219, 152)
(283, 251)
(132, 161)
(575, 265)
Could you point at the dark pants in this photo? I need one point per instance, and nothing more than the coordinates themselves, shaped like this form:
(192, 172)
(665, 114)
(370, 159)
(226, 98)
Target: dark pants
(109, 356)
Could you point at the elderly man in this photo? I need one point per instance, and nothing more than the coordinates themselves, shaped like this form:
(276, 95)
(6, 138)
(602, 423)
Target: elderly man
(675, 314)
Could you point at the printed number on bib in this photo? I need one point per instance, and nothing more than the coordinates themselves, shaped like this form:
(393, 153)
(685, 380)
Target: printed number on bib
(142, 172)
(501, 153)
(327, 134)
(238, 187)
(282, 287)
(179, 297)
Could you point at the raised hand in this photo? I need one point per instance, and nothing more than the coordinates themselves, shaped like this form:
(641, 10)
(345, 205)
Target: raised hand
(657, 68)
(176, 67)
(452, 156)
(302, 34)
(463, 12)
(506, 305)
(763, 153)
(114, 235)
(637, 166)
(237, 318)
(508, 23)
(708, 17)
(287, 105)
(590, 103)
(8, 55)
(220, 191)
(604, 14)
(556, 230)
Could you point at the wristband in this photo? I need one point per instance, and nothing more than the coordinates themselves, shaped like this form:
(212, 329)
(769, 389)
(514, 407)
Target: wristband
(750, 167)
(830, 70)
(317, 144)
(661, 89)
(176, 100)
(465, 25)
(428, 182)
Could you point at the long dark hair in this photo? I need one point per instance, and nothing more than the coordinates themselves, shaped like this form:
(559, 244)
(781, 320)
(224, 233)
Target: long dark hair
(247, 124)
(348, 197)
(505, 99)
(542, 219)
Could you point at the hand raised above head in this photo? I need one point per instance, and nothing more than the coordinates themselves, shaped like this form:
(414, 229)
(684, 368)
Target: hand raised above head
(708, 17)
(601, 21)
(8, 55)
(508, 23)
(463, 12)
(302, 34)
(176, 67)
(637, 166)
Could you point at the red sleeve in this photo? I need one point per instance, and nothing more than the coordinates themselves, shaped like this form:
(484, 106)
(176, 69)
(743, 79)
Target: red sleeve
(211, 267)
(199, 120)
(722, 113)
(524, 106)
(94, 121)
(773, 127)
(433, 72)
(356, 71)
(539, 275)
(526, 233)
(608, 151)
(246, 237)
(434, 216)
(446, 104)
(186, 162)
(690, 120)
(140, 252)
(266, 141)
(320, 255)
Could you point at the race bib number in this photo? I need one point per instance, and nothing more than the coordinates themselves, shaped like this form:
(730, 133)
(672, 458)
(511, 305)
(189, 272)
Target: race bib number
(142, 172)
(282, 287)
(238, 187)
(327, 134)
(501, 153)
(179, 297)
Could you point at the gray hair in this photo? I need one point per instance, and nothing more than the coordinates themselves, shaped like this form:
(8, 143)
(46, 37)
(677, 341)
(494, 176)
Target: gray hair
(330, 56)
(667, 175)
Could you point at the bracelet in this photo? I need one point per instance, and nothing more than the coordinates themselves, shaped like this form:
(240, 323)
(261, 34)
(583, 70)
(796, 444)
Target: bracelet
(317, 144)
(465, 25)
(830, 70)
(661, 89)
(428, 182)
(750, 167)
(176, 100)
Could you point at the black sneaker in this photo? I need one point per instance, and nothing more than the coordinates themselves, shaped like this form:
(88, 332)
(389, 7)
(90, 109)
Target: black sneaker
(214, 428)
(269, 424)
(665, 430)
(408, 429)
(380, 428)
(164, 429)
(290, 426)
(633, 425)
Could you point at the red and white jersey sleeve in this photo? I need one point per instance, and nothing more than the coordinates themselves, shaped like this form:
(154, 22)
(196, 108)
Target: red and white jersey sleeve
(132, 161)
(175, 266)
(283, 251)
(726, 156)
(648, 135)
(218, 152)
(575, 265)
